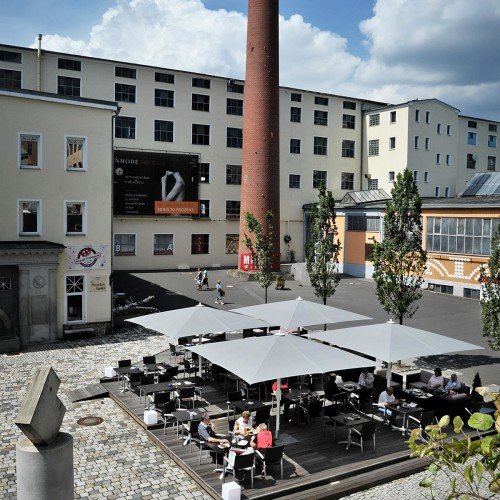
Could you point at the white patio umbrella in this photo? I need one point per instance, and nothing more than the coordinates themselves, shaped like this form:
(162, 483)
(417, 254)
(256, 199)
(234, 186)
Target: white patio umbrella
(299, 312)
(391, 342)
(197, 320)
(275, 357)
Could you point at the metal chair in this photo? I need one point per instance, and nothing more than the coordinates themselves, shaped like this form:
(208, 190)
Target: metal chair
(367, 432)
(425, 418)
(185, 394)
(232, 396)
(329, 412)
(124, 363)
(164, 377)
(159, 399)
(263, 415)
(173, 370)
(176, 351)
(167, 414)
(189, 368)
(132, 381)
(149, 360)
(243, 462)
(147, 379)
(311, 411)
(270, 456)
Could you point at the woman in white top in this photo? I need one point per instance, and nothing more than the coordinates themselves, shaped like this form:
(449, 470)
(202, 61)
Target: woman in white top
(243, 424)
(436, 381)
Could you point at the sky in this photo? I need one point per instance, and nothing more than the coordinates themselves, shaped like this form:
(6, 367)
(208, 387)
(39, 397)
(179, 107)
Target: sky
(384, 50)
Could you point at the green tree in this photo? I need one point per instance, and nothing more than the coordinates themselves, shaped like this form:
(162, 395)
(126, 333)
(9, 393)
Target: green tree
(490, 300)
(399, 260)
(261, 248)
(322, 252)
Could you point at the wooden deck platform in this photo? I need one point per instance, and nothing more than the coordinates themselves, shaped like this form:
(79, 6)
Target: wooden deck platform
(313, 459)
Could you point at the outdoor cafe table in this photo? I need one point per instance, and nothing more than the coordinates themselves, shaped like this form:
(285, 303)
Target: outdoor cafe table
(156, 367)
(146, 389)
(248, 404)
(348, 420)
(126, 370)
(405, 410)
(183, 416)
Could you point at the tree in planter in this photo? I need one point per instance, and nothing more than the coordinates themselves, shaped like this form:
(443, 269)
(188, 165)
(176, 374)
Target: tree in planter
(262, 248)
(399, 260)
(322, 252)
(490, 300)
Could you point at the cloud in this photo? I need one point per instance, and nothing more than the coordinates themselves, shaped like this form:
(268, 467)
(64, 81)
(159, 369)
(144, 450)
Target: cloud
(448, 49)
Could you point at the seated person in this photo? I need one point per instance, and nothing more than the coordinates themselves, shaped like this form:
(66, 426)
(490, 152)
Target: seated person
(453, 385)
(366, 380)
(243, 425)
(436, 382)
(263, 439)
(386, 399)
(331, 388)
(206, 431)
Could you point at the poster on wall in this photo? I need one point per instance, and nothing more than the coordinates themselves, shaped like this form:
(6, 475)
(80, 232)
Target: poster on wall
(98, 283)
(88, 257)
(155, 183)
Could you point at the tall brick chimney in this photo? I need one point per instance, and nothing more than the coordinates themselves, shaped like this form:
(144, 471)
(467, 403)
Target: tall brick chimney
(260, 184)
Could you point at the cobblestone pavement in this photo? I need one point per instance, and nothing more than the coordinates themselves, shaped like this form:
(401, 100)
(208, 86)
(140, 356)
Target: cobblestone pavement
(111, 460)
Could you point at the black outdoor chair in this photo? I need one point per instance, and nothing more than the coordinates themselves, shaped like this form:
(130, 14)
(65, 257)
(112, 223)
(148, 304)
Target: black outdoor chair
(232, 396)
(164, 377)
(192, 435)
(133, 380)
(250, 391)
(424, 419)
(147, 379)
(186, 395)
(367, 432)
(168, 409)
(189, 368)
(244, 462)
(310, 411)
(329, 412)
(159, 400)
(263, 415)
(149, 360)
(124, 363)
(176, 351)
(173, 370)
(270, 456)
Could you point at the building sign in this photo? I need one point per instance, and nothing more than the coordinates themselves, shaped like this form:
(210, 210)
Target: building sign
(98, 283)
(248, 264)
(155, 183)
(88, 257)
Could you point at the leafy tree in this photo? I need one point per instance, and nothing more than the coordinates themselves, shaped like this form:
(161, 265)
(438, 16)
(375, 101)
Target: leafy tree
(490, 300)
(261, 248)
(322, 252)
(399, 260)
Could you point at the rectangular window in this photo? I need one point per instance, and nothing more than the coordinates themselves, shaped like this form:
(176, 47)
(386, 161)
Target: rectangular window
(294, 181)
(233, 174)
(438, 158)
(472, 293)
(347, 181)
(200, 134)
(204, 173)
(427, 117)
(426, 177)
(30, 218)
(447, 192)
(448, 129)
(448, 159)
(69, 86)
(347, 149)
(200, 244)
(472, 138)
(320, 117)
(417, 115)
(415, 175)
(295, 97)
(393, 117)
(10, 79)
(163, 244)
(472, 124)
(233, 209)
(75, 218)
(372, 184)
(349, 121)
(232, 243)
(5, 284)
(319, 177)
(234, 137)
(12, 57)
(164, 98)
(471, 160)
(320, 145)
(205, 209)
(438, 128)
(164, 131)
(236, 88)
(374, 120)
(125, 72)
(75, 299)
(373, 147)
(124, 244)
(492, 127)
(492, 163)
(363, 223)
(392, 143)
(202, 83)
(427, 144)
(234, 107)
(295, 114)
(436, 287)
(436, 192)
(69, 64)
(349, 105)
(164, 77)
(200, 102)
(321, 101)
(30, 151)
(392, 176)
(492, 141)
(124, 127)
(295, 146)
(124, 92)
(76, 153)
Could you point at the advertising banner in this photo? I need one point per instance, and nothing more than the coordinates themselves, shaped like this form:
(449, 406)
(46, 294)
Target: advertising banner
(88, 257)
(155, 183)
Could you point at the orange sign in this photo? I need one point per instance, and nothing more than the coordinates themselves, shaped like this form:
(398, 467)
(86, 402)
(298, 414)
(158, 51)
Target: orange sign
(176, 207)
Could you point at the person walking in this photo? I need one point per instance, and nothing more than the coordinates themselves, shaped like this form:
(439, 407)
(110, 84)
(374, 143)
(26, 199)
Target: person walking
(205, 279)
(199, 279)
(220, 293)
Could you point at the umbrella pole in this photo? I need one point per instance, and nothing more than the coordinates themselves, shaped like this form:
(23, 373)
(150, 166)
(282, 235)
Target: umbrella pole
(389, 374)
(278, 407)
(199, 357)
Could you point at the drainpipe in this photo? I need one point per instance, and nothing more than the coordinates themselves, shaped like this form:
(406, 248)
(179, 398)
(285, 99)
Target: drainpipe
(39, 65)
(361, 149)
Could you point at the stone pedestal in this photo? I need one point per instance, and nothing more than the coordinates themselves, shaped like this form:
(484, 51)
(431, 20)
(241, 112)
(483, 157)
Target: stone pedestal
(45, 472)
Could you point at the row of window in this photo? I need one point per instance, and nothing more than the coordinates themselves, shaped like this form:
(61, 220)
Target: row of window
(163, 244)
(30, 218)
(348, 147)
(492, 127)
(468, 293)
(472, 140)
(321, 118)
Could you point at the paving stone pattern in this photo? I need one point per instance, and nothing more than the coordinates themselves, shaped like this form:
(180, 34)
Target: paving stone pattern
(112, 460)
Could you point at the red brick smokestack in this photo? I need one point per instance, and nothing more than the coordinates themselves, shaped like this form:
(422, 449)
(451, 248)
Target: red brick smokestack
(260, 184)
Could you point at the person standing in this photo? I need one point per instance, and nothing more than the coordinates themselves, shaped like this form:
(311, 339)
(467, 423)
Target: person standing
(220, 293)
(205, 278)
(199, 279)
